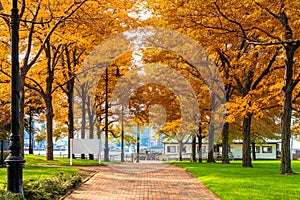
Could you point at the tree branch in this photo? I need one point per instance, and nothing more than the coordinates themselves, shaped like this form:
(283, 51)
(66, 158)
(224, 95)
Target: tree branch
(266, 71)
(231, 20)
(58, 22)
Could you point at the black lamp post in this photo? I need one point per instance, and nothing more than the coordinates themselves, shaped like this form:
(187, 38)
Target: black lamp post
(30, 131)
(122, 136)
(106, 149)
(15, 161)
(138, 144)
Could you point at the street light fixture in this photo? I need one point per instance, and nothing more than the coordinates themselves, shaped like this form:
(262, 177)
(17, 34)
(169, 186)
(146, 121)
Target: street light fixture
(15, 161)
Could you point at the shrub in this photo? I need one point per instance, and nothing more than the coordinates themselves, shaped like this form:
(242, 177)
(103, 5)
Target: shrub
(12, 196)
(50, 188)
(45, 189)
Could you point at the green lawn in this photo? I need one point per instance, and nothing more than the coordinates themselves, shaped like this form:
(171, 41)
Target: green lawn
(36, 167)
(234, 182)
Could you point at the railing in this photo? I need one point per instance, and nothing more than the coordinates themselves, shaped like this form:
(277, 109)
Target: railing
(187, 156)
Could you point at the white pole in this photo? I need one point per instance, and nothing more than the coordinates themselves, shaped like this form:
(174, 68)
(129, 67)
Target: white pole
(71, 151)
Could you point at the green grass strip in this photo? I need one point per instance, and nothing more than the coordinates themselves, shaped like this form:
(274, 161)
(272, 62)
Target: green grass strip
(234, 182)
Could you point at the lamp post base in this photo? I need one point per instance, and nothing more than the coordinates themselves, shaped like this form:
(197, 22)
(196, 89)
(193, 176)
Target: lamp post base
(30, 150)
(14, 166)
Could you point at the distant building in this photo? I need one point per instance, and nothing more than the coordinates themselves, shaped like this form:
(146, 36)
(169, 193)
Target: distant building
(268, 150)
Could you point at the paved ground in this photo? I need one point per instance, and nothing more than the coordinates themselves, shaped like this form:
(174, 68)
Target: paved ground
(141, 181)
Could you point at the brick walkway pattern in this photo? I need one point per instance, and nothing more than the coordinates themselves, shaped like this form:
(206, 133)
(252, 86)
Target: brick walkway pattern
(137, 181)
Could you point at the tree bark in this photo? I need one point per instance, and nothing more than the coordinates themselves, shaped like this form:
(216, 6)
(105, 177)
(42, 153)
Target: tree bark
(70, 95)
(98, 130)
(210, 156)
(49, 125)
(285, 167)
(22, 108)
(211, 132)
(225, 145)
(91, 122)
(83, 114)
(253, 151)
(180, 150)
(246, 141)
(193, 154)
(83, 109)
(48, 100)
(90, 110)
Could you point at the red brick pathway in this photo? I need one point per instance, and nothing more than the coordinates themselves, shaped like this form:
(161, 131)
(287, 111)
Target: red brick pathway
(141, 181)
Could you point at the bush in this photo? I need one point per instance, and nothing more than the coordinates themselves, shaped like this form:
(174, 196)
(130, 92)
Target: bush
(12, 196)
(45, 189)
(50, 188)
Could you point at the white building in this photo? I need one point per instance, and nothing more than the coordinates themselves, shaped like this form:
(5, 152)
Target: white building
(268, 150)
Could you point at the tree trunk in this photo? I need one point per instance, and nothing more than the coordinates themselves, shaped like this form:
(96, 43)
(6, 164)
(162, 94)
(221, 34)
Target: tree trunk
(83, 109)
(21, 111)
(91, 118)
(253, 151)
(83, 114)
(49, 123)
(225, 145)
(180, 150)
(48, 101)
(199, 135)
(99, 137)
(193, 154)
(98, 130)
(246, 141)
(285, 167)
(91, 123)
(70, 94)
(210, 156)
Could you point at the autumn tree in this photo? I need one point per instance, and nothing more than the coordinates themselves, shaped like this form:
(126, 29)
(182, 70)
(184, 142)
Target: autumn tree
(38, 21)
(226, 26)
(278, 29)
(70, 59)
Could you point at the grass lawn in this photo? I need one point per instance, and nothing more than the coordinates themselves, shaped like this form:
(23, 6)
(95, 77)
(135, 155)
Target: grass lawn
(234, 182)
(36, 167)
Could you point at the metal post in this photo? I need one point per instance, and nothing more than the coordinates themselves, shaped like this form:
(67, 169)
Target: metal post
(138, 145)
(15, 161)
(30, 131)
(122, 139)
(106, 149)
